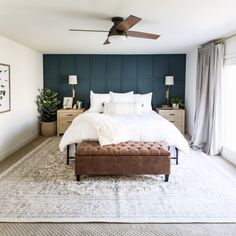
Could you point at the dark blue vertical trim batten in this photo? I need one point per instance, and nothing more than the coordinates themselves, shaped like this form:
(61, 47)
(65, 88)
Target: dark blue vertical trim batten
(122, 73)
(153, 79)
(137, 75)
(59, 73)
(106, 74)
(90, 71)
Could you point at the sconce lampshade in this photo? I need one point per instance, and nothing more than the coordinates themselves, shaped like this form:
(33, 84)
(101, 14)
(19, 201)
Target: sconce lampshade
(169, 80)
(72, 79)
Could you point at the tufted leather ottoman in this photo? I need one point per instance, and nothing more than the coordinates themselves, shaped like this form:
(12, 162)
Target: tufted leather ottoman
(127, 158)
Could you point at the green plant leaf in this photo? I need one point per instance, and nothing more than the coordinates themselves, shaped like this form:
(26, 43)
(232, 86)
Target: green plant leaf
(48, 104)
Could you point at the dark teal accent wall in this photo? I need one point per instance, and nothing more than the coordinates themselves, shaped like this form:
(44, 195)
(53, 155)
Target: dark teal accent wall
(117, 73)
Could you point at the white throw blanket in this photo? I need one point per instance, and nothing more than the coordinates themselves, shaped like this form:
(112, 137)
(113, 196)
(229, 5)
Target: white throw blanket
(108, 130)
(112, 129)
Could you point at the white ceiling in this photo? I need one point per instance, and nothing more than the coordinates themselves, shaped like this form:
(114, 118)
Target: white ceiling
(183, 24)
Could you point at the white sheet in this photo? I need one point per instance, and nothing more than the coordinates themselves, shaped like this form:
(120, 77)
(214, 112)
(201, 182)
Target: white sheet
(146, 127)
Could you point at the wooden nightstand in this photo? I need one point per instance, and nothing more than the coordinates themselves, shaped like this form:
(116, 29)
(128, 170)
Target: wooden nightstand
(175, 116)
(65, 117)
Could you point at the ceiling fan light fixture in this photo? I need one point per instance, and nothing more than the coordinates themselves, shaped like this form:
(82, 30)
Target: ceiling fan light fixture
(117, 38)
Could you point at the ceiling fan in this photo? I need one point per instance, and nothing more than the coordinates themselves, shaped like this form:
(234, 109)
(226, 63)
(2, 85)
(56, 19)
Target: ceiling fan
(120, 30)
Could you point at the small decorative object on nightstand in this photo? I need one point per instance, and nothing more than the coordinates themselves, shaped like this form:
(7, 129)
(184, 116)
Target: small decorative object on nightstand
(79, 104)
(175, 116)
(176, 102)
(67, 102)
(65, 118)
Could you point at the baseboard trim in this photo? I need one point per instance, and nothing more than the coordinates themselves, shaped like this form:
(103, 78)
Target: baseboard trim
(229, 155)
(17, 147)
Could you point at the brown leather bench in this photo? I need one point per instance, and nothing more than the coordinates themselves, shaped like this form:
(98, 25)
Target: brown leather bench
(127, 158)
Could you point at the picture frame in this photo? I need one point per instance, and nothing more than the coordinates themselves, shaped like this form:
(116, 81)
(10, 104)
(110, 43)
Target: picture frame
(5, 88)
(67, 102)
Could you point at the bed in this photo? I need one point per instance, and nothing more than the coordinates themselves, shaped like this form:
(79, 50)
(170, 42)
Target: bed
(115, 118)
(112, 129)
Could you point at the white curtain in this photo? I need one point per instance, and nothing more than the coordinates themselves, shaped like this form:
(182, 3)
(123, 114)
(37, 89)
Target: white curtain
(207, 134)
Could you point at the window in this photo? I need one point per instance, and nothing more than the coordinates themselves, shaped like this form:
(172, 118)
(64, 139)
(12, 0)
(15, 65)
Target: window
(229, 110)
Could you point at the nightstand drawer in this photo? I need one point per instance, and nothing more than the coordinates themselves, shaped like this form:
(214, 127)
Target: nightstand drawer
(171, 114)
(69, 116)
(176, 120)
(66, 121)
(176, 117)
(65, 118)
(178, 125)
(63, 128)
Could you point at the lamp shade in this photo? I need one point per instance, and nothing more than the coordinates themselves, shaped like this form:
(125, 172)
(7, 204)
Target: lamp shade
(169, 80)
(72, 79)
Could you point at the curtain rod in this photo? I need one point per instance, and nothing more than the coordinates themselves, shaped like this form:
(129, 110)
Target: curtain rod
(223, 39)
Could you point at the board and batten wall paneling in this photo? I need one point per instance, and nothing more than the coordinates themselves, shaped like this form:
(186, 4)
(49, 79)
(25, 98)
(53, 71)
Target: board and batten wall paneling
(117, 73)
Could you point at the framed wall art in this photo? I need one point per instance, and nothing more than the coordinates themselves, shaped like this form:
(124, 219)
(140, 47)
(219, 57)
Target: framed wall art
(67, 102)
(5, 92)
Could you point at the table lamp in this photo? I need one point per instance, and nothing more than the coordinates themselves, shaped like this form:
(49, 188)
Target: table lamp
(73, 82)
(169, 80)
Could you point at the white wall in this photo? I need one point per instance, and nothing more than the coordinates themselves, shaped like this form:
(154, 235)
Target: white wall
(20, 125)
(190, 89)
(230, 50)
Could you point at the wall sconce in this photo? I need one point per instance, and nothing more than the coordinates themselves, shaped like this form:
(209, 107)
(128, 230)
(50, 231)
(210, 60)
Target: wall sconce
(73, 82)
(169, 80)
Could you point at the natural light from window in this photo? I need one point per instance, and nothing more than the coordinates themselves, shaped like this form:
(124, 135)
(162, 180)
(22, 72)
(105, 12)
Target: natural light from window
(230, 107)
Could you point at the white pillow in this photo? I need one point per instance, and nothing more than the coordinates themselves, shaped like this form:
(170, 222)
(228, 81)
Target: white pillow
(121, 108)
(145, 99)
(122, 97)
(97, 101)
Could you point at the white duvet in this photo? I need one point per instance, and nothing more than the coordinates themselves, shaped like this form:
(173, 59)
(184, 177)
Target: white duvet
(112, 129)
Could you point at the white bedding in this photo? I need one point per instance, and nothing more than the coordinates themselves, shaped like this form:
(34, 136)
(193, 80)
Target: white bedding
(108, 129)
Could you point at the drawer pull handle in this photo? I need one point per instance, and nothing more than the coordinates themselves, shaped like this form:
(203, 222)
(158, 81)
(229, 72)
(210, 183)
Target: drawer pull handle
(69, 115)
(172, 121)
(69, 122)
(172, 114)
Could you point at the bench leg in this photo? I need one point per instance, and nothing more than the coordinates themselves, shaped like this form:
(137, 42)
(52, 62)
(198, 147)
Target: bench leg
(68, 154)
(177, 155)
(166, 178)
(78, 177)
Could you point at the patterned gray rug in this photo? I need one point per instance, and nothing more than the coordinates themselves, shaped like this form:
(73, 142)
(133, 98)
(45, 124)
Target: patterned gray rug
(42, 188)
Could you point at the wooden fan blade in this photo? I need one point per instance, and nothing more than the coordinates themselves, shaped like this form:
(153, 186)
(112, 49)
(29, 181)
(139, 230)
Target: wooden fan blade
(129, 22)
(142, 35)
(106, 42)
(88, 30)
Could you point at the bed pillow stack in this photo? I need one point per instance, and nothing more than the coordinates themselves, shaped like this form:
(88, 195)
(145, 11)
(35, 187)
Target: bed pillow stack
(119, 108)
(120, 103)
(122, 97)
(145, 99)
(97, 101)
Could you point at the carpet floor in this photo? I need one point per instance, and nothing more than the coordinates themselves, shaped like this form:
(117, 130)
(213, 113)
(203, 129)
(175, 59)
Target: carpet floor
(105, 229)
(42, 188)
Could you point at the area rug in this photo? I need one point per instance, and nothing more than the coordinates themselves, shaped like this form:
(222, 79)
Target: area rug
(42, 188)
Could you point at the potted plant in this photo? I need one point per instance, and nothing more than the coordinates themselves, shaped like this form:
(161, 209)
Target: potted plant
(48, 102)
(176, 102)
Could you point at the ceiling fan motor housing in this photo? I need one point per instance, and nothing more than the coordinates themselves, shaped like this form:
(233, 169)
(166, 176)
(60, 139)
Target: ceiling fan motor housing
(113, 31)
(117, 20)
